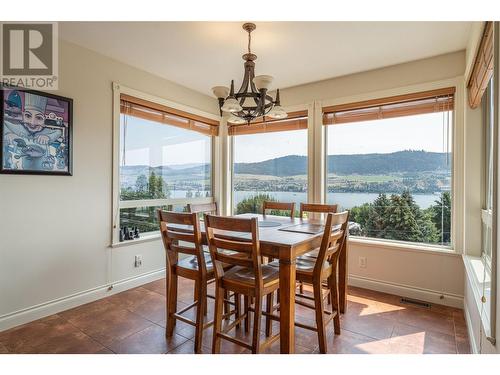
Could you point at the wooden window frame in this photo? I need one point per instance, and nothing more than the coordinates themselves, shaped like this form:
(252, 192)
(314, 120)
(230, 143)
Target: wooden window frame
(296, 120)
(423, 102)
(482, 70)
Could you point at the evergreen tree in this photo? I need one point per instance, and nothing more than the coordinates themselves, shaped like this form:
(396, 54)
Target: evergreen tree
(440, 214)
(141, 183)
(253, 204)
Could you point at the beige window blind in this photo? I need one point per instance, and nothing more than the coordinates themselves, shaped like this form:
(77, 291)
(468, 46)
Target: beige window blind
(294, 121)
(395, 106)
(483, 67)
(159, 113)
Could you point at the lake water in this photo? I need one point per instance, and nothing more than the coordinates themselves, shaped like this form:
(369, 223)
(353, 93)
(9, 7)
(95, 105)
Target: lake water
(345, 200)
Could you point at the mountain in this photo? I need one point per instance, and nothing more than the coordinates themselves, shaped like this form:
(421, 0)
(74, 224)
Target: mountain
(396, 162)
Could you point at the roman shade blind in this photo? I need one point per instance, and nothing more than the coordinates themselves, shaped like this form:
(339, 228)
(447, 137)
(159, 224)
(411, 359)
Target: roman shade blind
(483, 67)
(159, 113)
(294, 121)
(395, 106)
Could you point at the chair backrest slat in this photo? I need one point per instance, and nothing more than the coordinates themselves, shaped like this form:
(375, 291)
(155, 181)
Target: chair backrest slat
(317, 208)
(239, 246)
(204, 208)
(234, 241)
(332, 239)
(282, 206)
(177, 227)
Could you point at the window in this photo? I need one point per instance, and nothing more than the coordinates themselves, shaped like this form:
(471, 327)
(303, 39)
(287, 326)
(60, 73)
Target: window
(269, 163)
(389, 162)
(165, 161)
(488, 121)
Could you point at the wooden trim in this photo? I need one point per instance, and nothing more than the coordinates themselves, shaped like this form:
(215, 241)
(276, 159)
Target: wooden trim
(159, 113)
(295, 121)
(483, 67)
(394, 106)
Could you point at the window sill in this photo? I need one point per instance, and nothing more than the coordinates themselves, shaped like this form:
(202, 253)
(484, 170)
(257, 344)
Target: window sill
(479, 277)
(147, 237)
(394, 245)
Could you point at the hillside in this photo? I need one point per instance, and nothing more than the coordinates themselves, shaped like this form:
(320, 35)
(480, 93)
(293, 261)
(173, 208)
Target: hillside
(396, 162)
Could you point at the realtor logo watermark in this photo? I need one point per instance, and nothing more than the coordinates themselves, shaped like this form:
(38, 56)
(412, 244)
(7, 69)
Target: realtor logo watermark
(29, 55)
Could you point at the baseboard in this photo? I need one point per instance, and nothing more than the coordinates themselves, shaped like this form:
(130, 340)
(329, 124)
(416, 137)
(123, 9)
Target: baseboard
(432, 296)
(472, 340)
(53, 307)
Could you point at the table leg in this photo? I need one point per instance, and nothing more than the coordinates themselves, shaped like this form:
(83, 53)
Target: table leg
(287, 306)
(343, 278)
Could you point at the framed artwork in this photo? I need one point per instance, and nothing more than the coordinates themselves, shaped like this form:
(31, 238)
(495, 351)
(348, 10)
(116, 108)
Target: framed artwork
(35, 132)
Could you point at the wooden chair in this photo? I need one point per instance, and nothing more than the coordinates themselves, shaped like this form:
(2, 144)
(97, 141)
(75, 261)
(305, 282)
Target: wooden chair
(323, 270)
(248, 276)
(197, 266)
(210, 208)
(267, 205)
(203, 208)
(317, 208)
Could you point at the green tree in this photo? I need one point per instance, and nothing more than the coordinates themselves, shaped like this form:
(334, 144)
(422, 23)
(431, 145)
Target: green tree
(141, 183)
(440, 214)
(253, 204)
(395, 218)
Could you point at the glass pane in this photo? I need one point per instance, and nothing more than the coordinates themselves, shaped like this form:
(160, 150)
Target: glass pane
(145, 219)
(161, 161)
(488, 119)
(394, 175)
(269, 166)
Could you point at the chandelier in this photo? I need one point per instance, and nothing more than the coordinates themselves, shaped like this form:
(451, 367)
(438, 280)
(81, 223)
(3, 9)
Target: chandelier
(252, 99)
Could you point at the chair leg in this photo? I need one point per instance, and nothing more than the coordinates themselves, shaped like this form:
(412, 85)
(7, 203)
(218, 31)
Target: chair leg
(237, 307)
(171, 280)
(320, 321)
(334, 293)
(200, 313)
(227, 306)
(269, 310)
(256, 325)
(301, 287)
(246, 312)
(219, 305)
(195, 291)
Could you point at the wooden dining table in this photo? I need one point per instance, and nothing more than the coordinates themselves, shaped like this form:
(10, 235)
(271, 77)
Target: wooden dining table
(279, 238)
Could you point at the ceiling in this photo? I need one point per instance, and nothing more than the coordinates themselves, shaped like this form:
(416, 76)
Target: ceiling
(200, 55)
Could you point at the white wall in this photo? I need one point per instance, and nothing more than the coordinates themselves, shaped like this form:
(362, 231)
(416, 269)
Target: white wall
(55, 231)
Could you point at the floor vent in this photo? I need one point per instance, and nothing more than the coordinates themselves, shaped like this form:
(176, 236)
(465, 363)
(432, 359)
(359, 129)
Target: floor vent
(409, 301)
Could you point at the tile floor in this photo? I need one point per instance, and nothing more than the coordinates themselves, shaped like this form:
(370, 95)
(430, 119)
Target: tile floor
(134, 322)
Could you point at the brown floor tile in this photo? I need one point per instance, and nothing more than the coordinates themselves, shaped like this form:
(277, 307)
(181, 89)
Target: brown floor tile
(143, 302)
(158, 286)
(371, 325)
(352, 343)
(188, 348)
(48, 335)
(107, 322)
(374, 323)
(421, 341)
(151, 340)
(427, 320)
(3, 349)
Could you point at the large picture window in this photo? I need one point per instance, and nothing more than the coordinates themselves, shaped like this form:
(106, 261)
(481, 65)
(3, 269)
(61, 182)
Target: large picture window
(389, 162)
(165, 161)
(269, 163)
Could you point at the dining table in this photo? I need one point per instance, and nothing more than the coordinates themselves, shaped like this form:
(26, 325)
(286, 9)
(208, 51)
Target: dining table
(285, 239)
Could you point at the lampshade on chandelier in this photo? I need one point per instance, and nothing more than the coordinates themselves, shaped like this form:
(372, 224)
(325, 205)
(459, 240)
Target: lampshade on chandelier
(252, 99)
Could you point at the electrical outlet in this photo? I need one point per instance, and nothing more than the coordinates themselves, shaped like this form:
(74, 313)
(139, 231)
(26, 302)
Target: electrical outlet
(138, 261)
(362, 262)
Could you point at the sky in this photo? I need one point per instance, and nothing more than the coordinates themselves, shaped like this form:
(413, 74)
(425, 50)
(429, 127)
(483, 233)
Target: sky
(149, 143)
